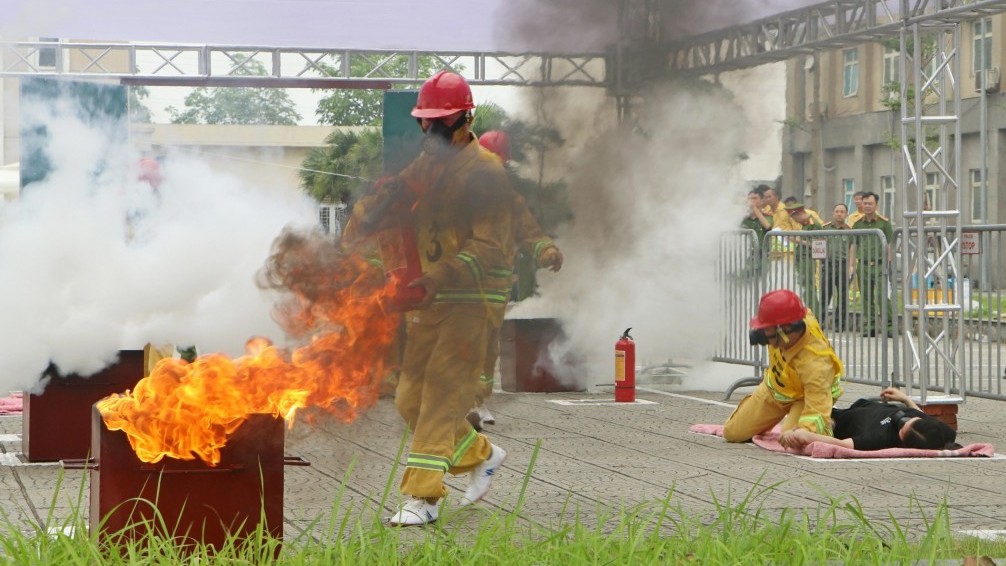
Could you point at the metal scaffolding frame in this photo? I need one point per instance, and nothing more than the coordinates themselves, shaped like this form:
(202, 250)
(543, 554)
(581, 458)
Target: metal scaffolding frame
(289, 67)
(931, 259)
(824, 26)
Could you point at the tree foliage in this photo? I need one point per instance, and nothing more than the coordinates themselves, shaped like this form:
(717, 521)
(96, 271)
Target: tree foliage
(237, 105)
(138, 110)
(358, 107)
(342, 169)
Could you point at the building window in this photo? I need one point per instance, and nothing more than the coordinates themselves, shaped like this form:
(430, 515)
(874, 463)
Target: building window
(978, 196)
(848, 190)
(46, 54)
(982, 47)
(850, 76)
(887, 194)
(932, 184)
(892, 61)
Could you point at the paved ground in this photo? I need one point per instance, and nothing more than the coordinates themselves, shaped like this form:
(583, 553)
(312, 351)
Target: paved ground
(590, 455)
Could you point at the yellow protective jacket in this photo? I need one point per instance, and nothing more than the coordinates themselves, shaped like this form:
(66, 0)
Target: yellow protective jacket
(808, 370)
(462, 217)
(528, 234)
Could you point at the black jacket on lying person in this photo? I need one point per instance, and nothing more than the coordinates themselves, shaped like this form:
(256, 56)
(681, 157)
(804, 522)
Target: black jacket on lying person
(872, 425)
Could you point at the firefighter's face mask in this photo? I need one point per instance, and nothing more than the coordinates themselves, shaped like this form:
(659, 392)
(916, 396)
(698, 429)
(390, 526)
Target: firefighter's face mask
(439, 133)
(761, 337)
(779, 336)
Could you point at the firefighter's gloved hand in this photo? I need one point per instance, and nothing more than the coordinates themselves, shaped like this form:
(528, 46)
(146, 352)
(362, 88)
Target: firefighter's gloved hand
(429, 287)
(550, 258)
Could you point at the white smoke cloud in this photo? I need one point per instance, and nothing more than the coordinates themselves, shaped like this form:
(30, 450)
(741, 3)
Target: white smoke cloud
(79, 282)
(649, 205)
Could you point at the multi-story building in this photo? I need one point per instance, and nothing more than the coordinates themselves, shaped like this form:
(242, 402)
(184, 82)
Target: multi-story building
(842, 132)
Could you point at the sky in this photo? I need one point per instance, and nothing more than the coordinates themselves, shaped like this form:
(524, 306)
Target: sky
(444, 25)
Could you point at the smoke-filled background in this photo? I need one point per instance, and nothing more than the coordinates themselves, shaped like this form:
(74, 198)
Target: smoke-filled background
(572, 26)
(651, 198)
(649, 203)
(94, 261)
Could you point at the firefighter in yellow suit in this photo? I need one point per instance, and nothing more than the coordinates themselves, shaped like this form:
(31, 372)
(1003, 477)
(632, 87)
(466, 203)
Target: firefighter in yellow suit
(802, 381)
(529, 238)
(459, 201)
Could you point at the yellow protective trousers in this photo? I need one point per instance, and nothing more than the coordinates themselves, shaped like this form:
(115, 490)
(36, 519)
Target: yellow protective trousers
(445, 353)
(759, 412)
(488, 376)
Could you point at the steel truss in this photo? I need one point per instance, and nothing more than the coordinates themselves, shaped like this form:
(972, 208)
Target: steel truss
(287, 67)
(824, 26)
(930, 250)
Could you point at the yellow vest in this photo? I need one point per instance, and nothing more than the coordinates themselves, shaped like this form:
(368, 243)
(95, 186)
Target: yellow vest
(788, 384)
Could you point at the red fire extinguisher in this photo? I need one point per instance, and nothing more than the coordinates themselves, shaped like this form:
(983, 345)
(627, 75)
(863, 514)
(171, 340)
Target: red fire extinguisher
(396, 202)
(405, 297)
(625, 369)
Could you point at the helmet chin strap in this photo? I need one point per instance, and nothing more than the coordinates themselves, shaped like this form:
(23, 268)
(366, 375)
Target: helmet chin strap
(782, 334)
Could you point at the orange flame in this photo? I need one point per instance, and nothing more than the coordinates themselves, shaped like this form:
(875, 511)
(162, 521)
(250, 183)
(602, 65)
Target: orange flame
(188, 411)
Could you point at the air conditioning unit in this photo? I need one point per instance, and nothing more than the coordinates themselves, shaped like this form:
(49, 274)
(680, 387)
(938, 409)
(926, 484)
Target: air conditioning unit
(331, 218)
(987, 80)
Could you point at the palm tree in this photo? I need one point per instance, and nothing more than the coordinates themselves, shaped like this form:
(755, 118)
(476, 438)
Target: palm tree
(344, 168)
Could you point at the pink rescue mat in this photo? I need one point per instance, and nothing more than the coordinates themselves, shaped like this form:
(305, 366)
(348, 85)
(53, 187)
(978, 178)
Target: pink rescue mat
(770, 441)
(11, 404)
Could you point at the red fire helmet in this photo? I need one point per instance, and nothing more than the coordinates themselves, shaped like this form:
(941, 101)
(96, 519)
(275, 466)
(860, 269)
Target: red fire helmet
(497, 142)
(779, 308)
(443, 94)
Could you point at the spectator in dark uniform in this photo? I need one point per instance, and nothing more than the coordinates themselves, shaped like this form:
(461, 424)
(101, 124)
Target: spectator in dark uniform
(835, 271)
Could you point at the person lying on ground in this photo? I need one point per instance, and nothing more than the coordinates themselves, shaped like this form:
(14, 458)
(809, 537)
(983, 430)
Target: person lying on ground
(875, 425)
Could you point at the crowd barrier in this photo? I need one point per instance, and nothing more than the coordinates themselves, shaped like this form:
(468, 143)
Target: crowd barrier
(854, 285)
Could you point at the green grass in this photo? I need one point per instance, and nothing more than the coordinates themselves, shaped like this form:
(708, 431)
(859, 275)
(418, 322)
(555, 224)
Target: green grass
(740, 531)
(990, 306)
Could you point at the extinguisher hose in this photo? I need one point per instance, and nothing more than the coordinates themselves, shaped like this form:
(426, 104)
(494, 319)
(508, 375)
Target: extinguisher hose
(625, 335)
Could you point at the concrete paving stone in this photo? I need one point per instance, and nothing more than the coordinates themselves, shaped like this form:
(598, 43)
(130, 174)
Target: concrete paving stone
(593, 461)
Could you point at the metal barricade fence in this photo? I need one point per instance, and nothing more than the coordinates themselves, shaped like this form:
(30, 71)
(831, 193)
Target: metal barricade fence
(843, 276)
(982, 275)
(740, 273)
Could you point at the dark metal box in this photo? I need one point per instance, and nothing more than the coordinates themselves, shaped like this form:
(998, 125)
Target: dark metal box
(525, 363)
(56, 424)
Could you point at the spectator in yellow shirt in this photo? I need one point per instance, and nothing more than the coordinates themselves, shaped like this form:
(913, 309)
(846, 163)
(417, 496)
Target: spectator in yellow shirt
(857, 199)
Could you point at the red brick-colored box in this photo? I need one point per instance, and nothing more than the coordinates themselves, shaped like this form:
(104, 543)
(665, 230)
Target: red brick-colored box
(56, 423)
(946, 412)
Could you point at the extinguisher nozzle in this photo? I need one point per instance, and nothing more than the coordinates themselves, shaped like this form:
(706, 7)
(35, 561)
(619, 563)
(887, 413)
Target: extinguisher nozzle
(625, 335)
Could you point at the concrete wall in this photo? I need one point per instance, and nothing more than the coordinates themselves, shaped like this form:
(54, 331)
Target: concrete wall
(264, 155)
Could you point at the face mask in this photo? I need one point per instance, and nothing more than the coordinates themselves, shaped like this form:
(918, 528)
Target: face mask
(439, 135)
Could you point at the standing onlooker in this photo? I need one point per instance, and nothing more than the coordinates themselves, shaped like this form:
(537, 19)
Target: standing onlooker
(757, 219)
(857, 199)
(772, 205)
(835, 271)
(871, 261)
(760, 222)
(803, 261)
(458, 199)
